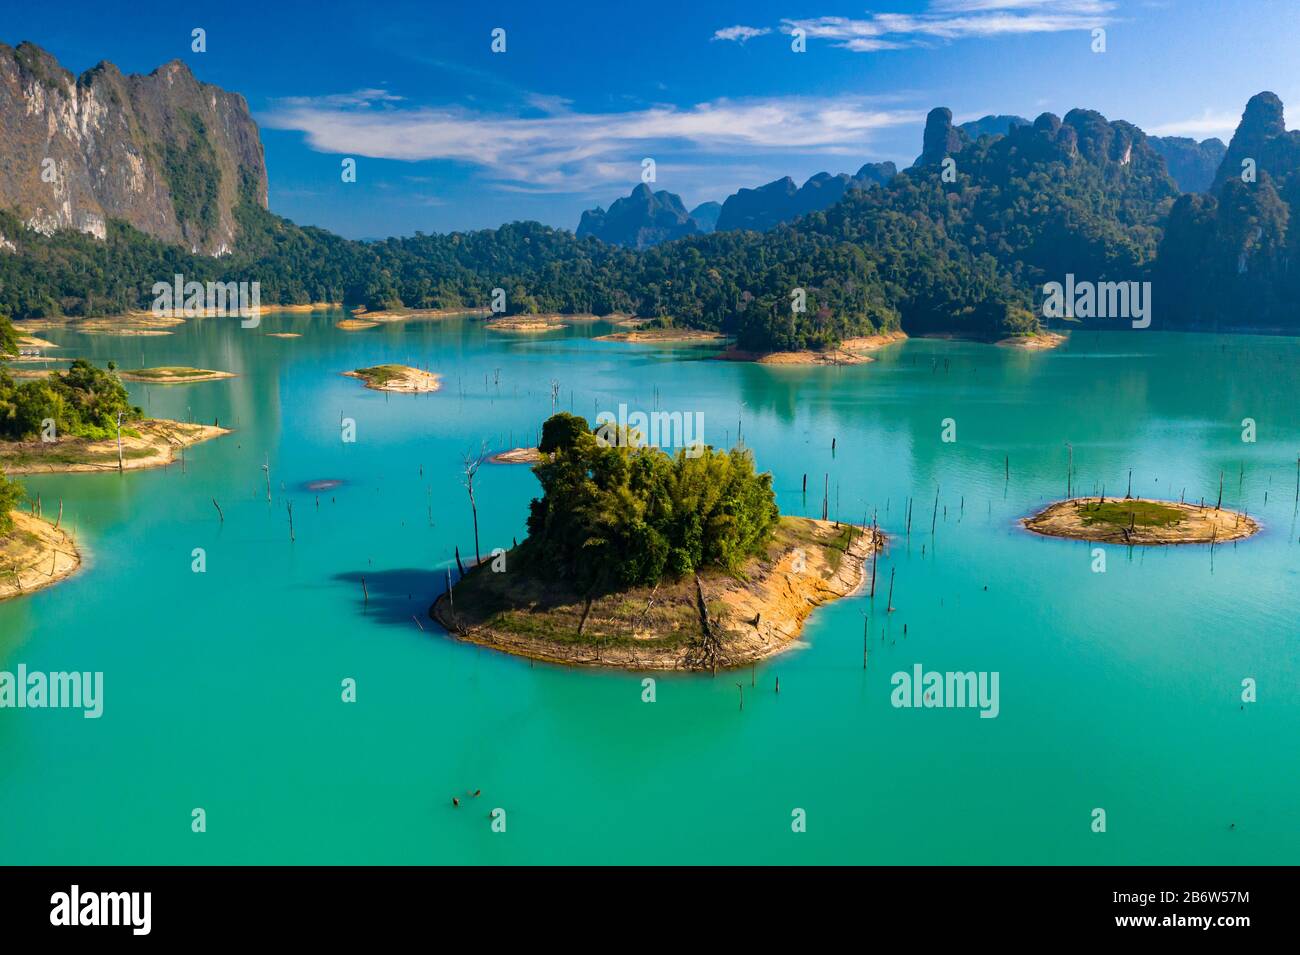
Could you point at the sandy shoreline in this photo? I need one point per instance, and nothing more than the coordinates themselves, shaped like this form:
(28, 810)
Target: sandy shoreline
(516, 456)
(158, 444)
(400, 379)
(532, 324)
(751, 617)
(395, 316)
(35, 555)
(173, 375)
(851, 351)
(1043, 341)
(656, 336)
(1040, 342)
(298, 309)
(1197, 525)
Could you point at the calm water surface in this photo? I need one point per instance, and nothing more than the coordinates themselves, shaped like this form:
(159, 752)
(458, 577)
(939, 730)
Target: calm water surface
(1118, 690)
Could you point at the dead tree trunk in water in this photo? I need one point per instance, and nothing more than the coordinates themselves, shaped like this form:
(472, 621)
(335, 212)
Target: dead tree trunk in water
(472, 464)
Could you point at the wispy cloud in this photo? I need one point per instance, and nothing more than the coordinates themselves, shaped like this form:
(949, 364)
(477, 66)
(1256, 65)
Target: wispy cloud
(1220, 123)
(948, 20)
(564, 151)
(740, 33)
(365, 97)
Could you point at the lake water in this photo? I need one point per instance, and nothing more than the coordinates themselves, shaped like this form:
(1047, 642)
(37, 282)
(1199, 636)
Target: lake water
(1119, 690)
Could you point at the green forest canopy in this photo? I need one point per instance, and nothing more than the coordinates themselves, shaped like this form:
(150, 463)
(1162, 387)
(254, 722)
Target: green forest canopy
(615, 516)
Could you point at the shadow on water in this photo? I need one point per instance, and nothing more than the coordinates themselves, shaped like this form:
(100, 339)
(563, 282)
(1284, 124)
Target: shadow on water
(395, 596)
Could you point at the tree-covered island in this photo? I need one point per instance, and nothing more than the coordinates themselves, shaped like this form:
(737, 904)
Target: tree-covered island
(639, 559)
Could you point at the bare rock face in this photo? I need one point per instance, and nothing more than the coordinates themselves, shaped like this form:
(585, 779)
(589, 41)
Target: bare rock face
(164, 152)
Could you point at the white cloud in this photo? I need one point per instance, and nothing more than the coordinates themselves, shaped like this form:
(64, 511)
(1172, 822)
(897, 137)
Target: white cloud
(573, 152)
(954, 20)
(740, 33)
(1210, 123)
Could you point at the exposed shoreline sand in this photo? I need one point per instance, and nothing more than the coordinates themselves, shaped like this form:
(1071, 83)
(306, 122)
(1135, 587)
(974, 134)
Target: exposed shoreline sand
(530, 325)
(752, 616)
(1198, 524)
(400, 379)
(1040, 342)
(34, 555)
(156, 446)
(173, 375)
(851, 351)
(655, 336)
(516, 456)
(396, 316)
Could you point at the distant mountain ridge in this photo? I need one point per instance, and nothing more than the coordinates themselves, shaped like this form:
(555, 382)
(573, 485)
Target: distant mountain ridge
(643, 218)
(164, 152)
(925, 252)
(639, 220)
(782, 201)
(1193, 165)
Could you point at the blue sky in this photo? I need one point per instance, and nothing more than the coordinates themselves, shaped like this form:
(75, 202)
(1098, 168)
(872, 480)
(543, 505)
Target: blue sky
(449, 135)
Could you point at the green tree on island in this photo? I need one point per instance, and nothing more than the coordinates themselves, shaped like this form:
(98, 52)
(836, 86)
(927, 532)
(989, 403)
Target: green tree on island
(8, 337)
(615, 516)
(83, 401)
(11, 495)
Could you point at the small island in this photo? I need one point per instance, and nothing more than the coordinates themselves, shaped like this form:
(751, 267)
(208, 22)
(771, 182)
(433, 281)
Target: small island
(82, 420)
(1040, 341)
(134, 324)
(516, 456)
(298, 309)
(530, 325)
(1140, 521)
(399, 315)
(851, 351)
(661, 336)
(401, 379)
(173, 375)
(659, 562)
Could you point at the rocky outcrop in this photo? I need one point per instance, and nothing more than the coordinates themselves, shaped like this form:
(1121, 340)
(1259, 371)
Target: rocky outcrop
(1226, 257)
(1261, 136)
(164, 152)
(941, 138)
(639, 220)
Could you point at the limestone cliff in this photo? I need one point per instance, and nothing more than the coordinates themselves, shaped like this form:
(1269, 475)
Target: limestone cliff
(164, 152)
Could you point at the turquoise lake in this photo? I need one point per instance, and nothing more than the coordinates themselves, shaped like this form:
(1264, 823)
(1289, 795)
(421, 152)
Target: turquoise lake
(1119, 690)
